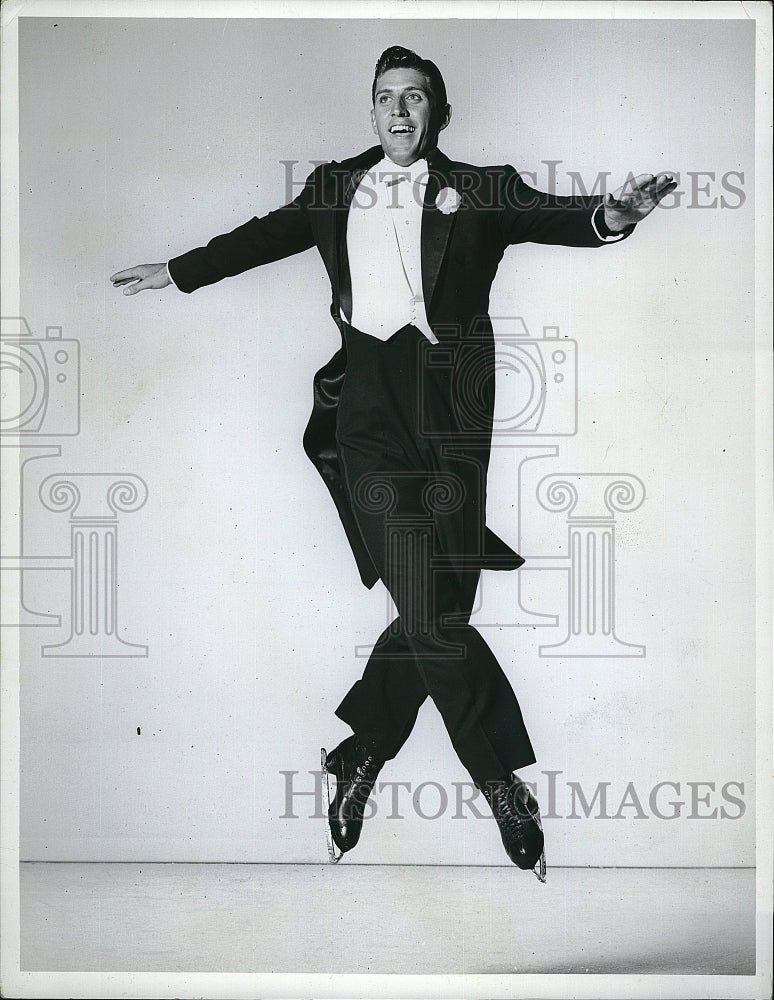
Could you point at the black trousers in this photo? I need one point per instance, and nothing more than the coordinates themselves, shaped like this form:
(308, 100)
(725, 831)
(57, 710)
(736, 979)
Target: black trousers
(419, 504)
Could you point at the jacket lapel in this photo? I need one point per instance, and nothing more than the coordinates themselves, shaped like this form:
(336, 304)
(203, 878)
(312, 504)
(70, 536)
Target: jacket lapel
(436, 225)
(333, 246)
(344, 281)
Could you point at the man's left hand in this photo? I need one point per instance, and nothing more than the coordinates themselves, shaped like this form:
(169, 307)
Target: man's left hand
(636, 199)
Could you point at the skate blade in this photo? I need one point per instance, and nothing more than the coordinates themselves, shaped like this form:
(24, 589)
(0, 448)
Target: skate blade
(333, 857)
(540, 870)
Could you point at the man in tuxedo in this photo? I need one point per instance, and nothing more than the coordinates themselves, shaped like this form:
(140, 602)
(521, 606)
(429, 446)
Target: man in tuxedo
(402, 418)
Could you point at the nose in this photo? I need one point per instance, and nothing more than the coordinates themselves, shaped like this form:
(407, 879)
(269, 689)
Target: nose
(399, 108)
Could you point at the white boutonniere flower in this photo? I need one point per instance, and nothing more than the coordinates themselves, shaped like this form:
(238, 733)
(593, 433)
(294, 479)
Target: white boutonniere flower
(448, 201)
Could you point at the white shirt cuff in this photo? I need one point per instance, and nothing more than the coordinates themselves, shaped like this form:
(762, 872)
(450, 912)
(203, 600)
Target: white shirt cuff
(169, 275)
(605, 239)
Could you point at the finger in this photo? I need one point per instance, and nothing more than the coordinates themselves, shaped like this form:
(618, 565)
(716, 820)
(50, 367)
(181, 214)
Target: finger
(127, 274)
(633, 189)
(122, 281)
(662, 184)
(650, 193)
(641, 182)
(664, 191)
(661, 181)
(133, 288)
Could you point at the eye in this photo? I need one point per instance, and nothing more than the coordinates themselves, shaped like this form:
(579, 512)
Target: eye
(383, 99)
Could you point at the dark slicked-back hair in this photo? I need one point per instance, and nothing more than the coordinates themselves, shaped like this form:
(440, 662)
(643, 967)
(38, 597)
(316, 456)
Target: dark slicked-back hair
(396, 57)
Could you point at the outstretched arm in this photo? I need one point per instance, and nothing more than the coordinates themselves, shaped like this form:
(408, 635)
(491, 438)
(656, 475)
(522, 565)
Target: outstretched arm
(279, 234)
(531, 216)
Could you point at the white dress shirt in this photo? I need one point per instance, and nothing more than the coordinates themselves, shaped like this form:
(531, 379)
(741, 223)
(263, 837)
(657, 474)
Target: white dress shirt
(384, 246)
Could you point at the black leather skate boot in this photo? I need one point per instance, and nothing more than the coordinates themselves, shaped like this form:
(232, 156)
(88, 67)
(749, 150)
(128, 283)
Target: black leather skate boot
(355, 767)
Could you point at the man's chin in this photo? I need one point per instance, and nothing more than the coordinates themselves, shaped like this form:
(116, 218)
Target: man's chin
(403, 155)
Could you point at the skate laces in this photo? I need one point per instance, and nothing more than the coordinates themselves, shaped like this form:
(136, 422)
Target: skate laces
(366, 770)
(506, 810)
(503, 802)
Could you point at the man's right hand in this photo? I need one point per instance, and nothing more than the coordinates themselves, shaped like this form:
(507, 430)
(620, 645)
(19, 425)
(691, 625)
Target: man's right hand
(142, 276)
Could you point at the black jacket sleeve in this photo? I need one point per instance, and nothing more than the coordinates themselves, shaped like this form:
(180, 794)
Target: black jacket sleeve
(279, 234)
(530, 216)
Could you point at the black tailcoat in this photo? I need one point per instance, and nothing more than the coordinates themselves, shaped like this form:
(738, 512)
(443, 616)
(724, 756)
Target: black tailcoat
(461, 251)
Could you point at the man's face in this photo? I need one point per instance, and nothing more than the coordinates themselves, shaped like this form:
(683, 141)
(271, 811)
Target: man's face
(402, 116)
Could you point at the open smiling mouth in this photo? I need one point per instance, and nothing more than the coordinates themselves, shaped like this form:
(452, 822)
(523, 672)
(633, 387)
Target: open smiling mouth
(402, 129)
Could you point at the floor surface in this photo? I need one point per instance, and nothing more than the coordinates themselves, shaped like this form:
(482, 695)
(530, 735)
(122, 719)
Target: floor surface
(384, 919)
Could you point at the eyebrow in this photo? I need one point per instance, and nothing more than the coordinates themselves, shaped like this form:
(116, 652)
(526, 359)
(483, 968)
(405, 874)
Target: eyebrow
(405, 90)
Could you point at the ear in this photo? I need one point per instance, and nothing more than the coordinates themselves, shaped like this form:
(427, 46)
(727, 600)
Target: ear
(445, 117)
(373, 122)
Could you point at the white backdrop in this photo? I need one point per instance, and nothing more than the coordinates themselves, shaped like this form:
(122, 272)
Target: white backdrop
(141, 138)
